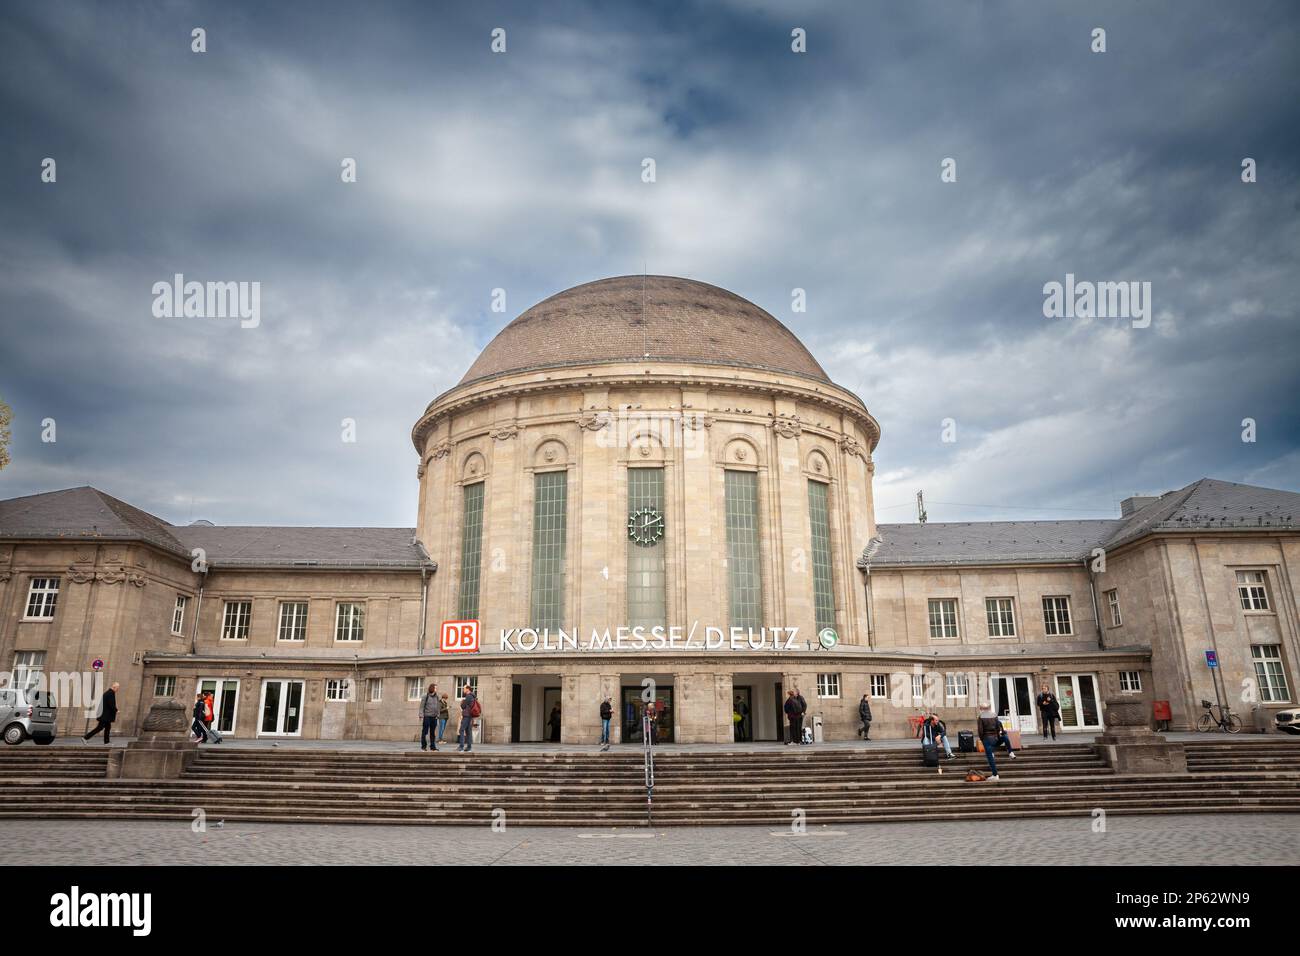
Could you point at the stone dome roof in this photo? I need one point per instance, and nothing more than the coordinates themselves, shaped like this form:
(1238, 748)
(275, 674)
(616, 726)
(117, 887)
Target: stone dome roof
(644, 319)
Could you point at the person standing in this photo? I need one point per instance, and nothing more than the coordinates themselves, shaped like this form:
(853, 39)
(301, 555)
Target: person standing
(795, 717)
(742, 708)
(1049, 711)
(864, 715)
(469, 709)
(200, 725)
(430, 707)
(606, 714)
(803, 709)
(555, 723)
(107, 713)
(444, 713)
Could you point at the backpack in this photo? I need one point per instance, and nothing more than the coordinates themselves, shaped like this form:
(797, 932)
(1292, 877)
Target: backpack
(975, 776)
(475, 709)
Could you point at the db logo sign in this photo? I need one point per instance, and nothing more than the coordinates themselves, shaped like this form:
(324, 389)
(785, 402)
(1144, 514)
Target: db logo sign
(459, 637)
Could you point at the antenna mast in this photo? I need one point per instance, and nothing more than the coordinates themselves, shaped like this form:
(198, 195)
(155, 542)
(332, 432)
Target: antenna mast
(920, 507)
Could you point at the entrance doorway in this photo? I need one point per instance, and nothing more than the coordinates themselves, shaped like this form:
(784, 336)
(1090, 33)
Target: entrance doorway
(225, 701)
(631, 709)
(552, 715)
(742, 704)
(1079, 705)
(761, 693)
(1013, 702)
(281, 708)
(532, 698)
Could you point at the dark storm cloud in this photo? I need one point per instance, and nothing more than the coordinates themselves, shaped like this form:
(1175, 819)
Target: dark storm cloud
(522, 171)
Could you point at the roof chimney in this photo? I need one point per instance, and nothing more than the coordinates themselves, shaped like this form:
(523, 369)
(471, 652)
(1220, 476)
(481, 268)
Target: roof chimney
(1135, 503)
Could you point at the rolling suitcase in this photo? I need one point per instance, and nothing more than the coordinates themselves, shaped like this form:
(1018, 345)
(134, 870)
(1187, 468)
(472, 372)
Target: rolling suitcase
(966, 741)
(929, 750)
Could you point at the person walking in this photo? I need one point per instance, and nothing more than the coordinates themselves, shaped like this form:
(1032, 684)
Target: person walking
(444, 712)
(794, 715)
(107, 714)
(606, 714)
(209, 711)
(199, 727)
(469, 709)
(864, 715)
(989, 730)
(742, 727)
(430, 707)
(1049, 711)
(555, 723)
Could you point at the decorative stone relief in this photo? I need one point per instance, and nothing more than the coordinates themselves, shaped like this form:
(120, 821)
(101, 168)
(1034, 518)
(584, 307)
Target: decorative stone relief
(852, 446)
(695, 421)
(440, 450)
(594, 421)
(505, 432)
(741, 453)
(787, 428)
(80, 575)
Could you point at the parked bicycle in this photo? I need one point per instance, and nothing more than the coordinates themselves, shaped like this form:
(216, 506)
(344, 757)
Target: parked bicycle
(1226, 721)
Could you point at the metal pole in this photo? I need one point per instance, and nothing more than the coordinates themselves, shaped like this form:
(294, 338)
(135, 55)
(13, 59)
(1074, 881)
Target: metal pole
(649, 764)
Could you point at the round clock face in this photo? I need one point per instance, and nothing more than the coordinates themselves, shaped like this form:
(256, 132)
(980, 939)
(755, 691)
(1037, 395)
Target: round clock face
(646, 526)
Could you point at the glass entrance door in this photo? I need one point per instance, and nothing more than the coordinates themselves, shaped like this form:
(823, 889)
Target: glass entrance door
(1080, 707)
(1013, 702)
(281, 708)
(225, 701)
(632, 707)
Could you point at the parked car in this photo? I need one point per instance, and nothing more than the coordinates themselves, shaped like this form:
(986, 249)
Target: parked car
(27, 713)
(1288, 721)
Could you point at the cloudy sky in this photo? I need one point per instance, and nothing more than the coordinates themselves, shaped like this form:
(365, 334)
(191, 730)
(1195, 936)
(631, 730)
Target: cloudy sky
(522, 171)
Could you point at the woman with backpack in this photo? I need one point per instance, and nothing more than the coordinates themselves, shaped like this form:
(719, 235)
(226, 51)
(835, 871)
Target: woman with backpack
(444, 714)
(469, 709)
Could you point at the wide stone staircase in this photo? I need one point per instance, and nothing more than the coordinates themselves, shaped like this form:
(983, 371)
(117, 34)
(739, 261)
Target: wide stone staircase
(693, 788)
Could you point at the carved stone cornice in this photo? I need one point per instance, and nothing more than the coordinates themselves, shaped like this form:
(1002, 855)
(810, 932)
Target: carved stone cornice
(118, 575)
(81, 575)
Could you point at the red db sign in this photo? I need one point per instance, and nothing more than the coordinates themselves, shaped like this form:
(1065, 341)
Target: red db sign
(459, 637)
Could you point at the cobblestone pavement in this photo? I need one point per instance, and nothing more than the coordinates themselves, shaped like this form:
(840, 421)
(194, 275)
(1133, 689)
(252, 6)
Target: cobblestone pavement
(1185, 840)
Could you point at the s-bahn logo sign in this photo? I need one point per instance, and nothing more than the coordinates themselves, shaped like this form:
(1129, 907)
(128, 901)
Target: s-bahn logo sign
(459, 637)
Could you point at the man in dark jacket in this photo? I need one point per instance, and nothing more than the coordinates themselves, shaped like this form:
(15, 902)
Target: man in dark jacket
(989, 730)
(606, 715)
(803, 709)
(1049, 711)
(794, 714)
(864, 715)
(465, 738)
(200, 725)
(430, 708)
(107, 713)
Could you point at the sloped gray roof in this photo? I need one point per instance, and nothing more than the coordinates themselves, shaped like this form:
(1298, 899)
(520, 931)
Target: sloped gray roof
(989, 542)
(88, 513)
(233, 546)
(83, 512)
(1204, 505)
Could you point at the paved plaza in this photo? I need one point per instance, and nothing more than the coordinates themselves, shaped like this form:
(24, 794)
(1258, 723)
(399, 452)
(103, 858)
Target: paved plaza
(1188, 840)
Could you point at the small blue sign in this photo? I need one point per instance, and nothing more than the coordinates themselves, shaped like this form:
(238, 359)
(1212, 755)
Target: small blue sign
(1211, 659)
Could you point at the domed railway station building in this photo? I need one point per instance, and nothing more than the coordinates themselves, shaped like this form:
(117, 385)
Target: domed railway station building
(647, 489)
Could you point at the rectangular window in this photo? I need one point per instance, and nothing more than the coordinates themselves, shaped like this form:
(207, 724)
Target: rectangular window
(1001, 617)
(956, 686)
(178, 615)
(350, 623)
(375, 689)
(235, 619)
(647, 602)
(293, 621)
(943, 618)
(1056, 616)
(1112, 601)
(164, 686)
(1130, 682)
(1269, 674)
(414, 691)
(823, 586)
(1251, 590)
(28, 667)
(461, 682)
(879, 685)
(918, 686)
(338, 689)
(471, 550)
(828, 685)
(550, 521)
(744, 580)
(42, 596)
